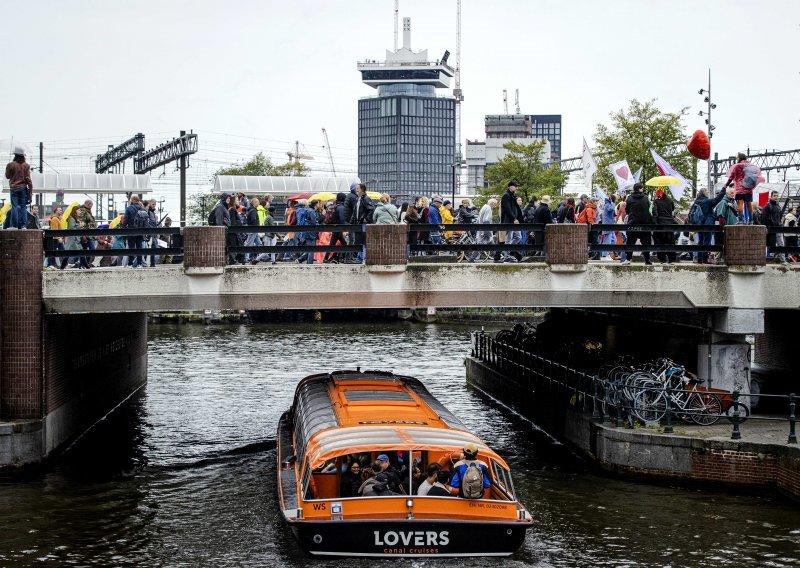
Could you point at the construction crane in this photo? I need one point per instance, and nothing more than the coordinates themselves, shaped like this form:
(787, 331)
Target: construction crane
(297, 155)
(505, 101)
(516, 100)
(330, 154)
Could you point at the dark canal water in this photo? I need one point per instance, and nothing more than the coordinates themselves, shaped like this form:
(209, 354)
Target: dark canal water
(183, 474)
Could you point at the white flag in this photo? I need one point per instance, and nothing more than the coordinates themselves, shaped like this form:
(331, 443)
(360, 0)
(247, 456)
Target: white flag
(665, 169)
(599, 193)
(622, 174)
(589, 165)
(637, 177)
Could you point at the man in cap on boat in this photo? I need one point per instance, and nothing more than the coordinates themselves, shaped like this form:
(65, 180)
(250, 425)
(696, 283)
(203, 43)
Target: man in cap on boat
(470, 453)
(393, 476)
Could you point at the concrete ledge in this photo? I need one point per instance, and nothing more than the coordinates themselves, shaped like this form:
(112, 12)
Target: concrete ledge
(203, 270)
(569, 267)
(21, 443)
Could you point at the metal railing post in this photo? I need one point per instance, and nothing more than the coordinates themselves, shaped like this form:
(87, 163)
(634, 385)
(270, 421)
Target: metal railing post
(668, 411)
(792, 420)
(595, 411)
(618, 420)
(736, 434)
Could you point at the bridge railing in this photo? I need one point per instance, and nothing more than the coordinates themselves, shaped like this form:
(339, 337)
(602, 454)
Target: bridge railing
(661, 239)
(110, 242)
(558, 384)
(295, 240)
(784, 241)
(470, 237)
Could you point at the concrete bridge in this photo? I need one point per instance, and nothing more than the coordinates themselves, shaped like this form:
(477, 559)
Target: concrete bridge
(74, 344)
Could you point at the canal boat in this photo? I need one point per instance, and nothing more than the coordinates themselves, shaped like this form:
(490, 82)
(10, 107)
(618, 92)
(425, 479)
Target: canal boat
(344, 417)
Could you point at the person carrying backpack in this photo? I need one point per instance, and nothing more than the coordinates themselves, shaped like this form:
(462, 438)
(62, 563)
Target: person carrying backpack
(702, 213)
(470, 475)
(743, 176)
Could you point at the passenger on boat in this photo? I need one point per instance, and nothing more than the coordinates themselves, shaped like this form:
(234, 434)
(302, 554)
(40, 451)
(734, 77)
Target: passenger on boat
(470, 457)
(430, 480)
(394, 479)
(439, 487)
(377, 486)
(351, 481)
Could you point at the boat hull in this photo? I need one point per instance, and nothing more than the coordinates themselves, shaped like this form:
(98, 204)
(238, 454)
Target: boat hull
(409, 538)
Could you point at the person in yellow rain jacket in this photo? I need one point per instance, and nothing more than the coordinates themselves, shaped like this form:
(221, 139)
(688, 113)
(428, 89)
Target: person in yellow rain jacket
(447, 216)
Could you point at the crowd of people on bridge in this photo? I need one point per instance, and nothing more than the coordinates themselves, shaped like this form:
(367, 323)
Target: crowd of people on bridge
(733, 204)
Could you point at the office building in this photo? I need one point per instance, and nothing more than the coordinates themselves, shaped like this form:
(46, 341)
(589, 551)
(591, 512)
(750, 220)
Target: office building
(548, 126)
(406, 133)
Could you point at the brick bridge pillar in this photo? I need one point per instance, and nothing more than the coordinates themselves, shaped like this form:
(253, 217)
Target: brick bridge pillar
(21, 258)
(745, 245)
(204, 250)
(386, 245)
(567, 244)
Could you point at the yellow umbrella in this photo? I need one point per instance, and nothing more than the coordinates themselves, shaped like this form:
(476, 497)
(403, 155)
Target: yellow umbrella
(3, 211)
(115, 222)
(323, 196)
(373, 195)
(663, 181)
(67, 213)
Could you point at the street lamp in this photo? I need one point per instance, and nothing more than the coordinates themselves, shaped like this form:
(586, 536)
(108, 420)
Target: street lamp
(709, 127)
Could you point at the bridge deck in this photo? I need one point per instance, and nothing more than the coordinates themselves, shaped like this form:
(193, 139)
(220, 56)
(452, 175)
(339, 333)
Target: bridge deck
(421, 285)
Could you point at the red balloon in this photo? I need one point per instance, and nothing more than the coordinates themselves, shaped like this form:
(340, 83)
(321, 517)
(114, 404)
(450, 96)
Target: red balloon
(699, 146)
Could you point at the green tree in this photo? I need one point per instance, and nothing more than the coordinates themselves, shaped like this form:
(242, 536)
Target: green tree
(260, 165)
(631, 135)
(523, 164)
(199, 205)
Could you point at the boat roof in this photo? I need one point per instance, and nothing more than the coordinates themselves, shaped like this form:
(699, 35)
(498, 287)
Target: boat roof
(348, 412)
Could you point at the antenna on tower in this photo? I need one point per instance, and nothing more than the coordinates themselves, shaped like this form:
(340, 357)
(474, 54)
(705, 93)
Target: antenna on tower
(396, 16)
(516, 100)
(505, 101)
(458, 94)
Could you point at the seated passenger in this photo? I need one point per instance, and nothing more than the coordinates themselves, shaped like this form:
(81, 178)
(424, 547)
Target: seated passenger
(470, 475)
(377, 486)
(430, 480)
(393, 476)
(351, 481)
(439, 487)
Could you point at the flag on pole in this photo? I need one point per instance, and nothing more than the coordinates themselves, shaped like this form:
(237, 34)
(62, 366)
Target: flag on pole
(622, 174)
(637, 177)
(599, 193)
(667, 170)
(589, 165)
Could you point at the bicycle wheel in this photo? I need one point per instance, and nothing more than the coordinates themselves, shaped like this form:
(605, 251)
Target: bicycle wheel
(705, 408)
(649, 406)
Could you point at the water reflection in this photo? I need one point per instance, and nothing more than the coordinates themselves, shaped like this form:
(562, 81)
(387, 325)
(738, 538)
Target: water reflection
(182, 474)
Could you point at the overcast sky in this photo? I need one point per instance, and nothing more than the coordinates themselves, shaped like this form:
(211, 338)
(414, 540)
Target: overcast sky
(279, 71)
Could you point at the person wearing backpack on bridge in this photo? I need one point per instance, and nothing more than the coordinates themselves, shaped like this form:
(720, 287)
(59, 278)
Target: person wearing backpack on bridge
(702, 213)
(470, 475)
(743, 176)
(135, 220)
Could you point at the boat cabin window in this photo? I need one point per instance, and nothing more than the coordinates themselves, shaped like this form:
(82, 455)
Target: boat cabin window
(502, 478)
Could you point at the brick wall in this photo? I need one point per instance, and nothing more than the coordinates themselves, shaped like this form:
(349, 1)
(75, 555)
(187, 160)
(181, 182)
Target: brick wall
(386, 244)
(93, 356)
(745, 245)
(775, 347)
(21, 257)
(204, 247)
(567, 243)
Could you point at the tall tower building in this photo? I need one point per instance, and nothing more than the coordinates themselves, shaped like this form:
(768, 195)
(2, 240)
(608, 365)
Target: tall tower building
(548, 126)
(406, 133)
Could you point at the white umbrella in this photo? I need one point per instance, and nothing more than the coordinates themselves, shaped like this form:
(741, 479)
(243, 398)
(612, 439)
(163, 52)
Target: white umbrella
(11, 146)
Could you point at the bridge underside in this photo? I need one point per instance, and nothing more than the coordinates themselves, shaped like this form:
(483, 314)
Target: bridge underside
(440, 285)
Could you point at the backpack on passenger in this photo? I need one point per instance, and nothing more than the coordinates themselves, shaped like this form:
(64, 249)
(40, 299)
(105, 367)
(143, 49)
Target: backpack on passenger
(141, 220)
(212, 216)
(696, 216)
(472, 483)
(750, 176)
(583, 218)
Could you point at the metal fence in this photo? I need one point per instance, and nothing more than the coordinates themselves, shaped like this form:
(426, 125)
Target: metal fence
(587, 392)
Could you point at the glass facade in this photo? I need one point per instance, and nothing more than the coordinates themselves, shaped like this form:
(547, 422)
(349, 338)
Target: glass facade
(406, 145)
(548, 126)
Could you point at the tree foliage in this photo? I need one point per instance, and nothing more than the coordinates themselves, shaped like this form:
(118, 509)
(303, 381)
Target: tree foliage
(523, 164)
(199, 205)
(260, 165)
(631, 135)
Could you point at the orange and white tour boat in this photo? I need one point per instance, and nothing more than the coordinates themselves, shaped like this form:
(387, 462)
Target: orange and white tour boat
(350, 417)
